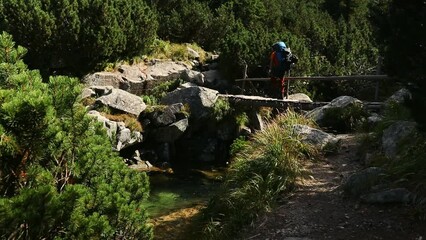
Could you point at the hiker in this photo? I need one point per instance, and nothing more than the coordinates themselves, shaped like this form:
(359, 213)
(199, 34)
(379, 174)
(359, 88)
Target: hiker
(281, 60)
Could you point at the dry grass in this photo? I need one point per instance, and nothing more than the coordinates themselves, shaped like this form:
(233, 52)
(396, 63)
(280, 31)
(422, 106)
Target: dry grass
(130, 121)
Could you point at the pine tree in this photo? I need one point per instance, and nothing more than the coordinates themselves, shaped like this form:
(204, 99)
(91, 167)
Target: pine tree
(58, 175)
(78, 35)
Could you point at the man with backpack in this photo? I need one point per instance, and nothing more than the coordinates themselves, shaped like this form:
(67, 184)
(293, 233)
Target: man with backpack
(281, 60)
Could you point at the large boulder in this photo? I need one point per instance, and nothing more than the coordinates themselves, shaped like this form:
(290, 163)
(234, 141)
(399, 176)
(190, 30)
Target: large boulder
(396, 195)
(104, 79)
(394, 135)
(128, 79)
(137, 78)
(166, 70)
(300, 97)
(162, 116)
(121, 136)
(399, 97)
(342, 114)
(362, 182)
(199, 100)
(171, 132)
(126, 137)
(214, 79)
(193, 77)
(321, 140)
(110, 126)
(341, 102)
(164, 123)
(123, 101)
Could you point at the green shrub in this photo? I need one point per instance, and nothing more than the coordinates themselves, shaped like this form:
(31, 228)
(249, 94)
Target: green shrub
(241, 119)
(221, 109)
(238, 145)
(58, 175)
(345, 119)
(263, 168)
(160, 90)
(75, 36)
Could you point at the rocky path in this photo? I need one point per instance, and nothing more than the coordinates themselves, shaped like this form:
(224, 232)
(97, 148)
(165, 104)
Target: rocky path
(317, 209)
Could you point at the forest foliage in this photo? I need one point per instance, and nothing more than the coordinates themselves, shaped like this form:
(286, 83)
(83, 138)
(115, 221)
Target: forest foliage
(330, 37)
(59, 177)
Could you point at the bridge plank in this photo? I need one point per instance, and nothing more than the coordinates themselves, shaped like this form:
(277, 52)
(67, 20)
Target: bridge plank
(256, 101)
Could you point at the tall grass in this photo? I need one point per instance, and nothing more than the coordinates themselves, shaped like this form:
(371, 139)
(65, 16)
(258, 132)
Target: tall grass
(166, 50)
(411, 167)
(263, 169)
(161, 50)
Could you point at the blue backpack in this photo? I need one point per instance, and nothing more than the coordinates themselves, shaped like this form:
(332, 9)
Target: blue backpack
(285, 58)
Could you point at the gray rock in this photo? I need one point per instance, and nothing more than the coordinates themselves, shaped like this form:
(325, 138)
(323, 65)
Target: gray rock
(101, 90)
(121, 100)
(187, 85)
(394, 134)
(300, 97)
(199, 99)
(192, 53)
(399, 97)
(374, 119)
(103, 79)
(132, 72)
(318, 114)
(397, 195)
(362, 181)
(164, 118)
(256, 121)
(193, 77)
(214, 79)
(87, 93)
(166, 70)
(161, 117)
(316, 137)
(110, 126)
(126, 137)
(121, 136)
(170, 133)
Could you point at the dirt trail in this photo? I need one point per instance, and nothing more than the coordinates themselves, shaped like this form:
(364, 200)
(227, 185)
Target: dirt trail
(317, 210)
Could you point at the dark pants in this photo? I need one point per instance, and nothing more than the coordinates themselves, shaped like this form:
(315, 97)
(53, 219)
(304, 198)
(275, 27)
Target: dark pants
(277, 87)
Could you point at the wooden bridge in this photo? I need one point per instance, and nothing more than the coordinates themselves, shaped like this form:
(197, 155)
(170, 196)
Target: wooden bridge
(258, 101)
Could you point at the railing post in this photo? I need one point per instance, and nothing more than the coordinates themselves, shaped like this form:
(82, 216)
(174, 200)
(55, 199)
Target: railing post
(244, 75)
(378, 72)
(288, 85)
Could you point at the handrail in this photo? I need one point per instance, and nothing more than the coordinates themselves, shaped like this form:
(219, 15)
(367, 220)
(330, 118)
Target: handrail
(326, 78)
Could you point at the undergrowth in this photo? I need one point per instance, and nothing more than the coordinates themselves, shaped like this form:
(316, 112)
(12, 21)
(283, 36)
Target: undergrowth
(161, 50)
(263, 168)
(409, 168)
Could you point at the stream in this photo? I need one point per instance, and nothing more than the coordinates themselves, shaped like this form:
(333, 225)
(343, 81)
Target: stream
(176, 198)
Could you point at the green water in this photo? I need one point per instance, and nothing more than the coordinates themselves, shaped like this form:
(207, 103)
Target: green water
(173, 192)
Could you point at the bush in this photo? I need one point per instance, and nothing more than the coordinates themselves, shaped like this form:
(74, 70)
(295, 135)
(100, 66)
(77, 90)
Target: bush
(58, 175)
(75, 36)
(221, 109)
(405, 51)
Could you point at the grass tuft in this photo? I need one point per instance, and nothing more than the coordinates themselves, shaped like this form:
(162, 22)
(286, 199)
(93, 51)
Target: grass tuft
(264, 167)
